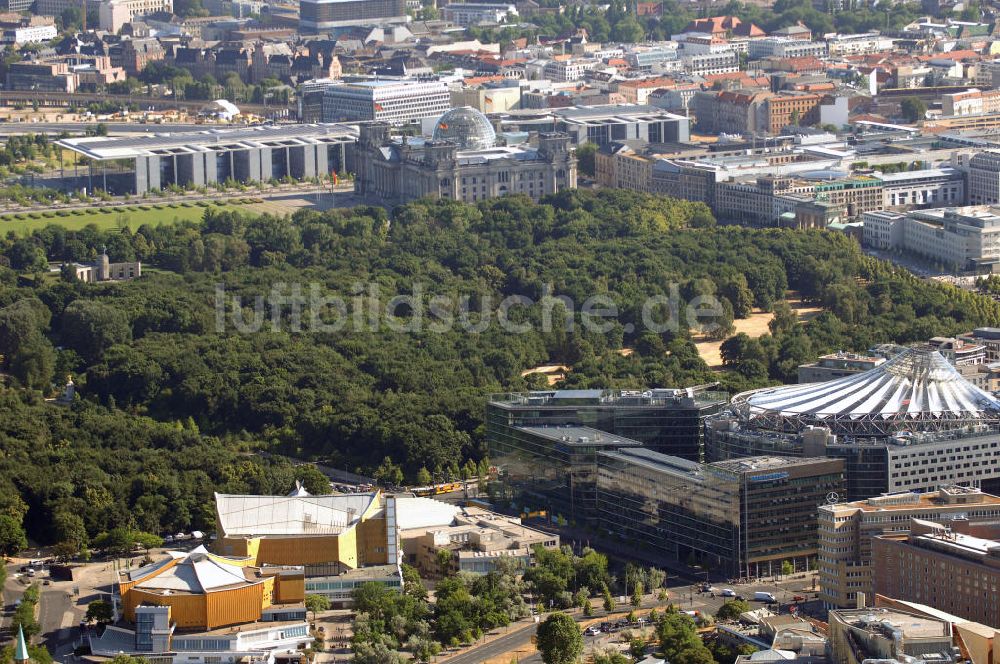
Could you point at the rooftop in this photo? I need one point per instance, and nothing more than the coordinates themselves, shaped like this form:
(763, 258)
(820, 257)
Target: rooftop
(254, 516)
(195, 573)
(678, 467)
(416, 512)
(102, 148)
(657, 461)
(700, 395)
(764, 463)
(939, 537)
(916, 175)
(916, 390)
(623, 112)
(888, 620)
(914, 501)
(580, 436)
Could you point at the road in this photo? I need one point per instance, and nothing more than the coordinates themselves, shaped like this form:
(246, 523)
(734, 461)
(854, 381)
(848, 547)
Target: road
(681, 594)
(517, 637)
(917, 266)
(12, 592)
(53, 605)
(57, 612)
(520, 634)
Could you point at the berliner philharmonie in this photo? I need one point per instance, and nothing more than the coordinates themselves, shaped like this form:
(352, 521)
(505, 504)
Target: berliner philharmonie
(911, 424)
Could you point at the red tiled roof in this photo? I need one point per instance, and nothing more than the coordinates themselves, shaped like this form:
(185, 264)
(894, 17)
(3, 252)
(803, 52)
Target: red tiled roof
(748, 30)
(805, 63)
(649, 8)
(478, 80)
(951, 55)
(646, 83)
(815, 87)
(742, 77)
(713, 24)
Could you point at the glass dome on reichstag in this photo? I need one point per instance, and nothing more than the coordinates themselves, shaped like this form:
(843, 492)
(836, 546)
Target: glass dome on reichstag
(467, 127)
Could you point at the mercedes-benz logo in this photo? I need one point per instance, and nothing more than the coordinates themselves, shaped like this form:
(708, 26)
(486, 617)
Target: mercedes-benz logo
(833, 498)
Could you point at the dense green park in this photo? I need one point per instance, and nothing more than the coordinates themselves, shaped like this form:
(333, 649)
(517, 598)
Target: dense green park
(174, 401)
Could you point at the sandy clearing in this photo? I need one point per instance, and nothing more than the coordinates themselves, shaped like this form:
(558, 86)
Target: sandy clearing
(553, 372)
(754, 326)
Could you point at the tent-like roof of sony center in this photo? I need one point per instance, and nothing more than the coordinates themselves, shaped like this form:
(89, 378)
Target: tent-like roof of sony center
(915, 390)
(255, 516)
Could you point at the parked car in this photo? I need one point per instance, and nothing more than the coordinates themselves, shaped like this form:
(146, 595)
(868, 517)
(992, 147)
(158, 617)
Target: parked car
(593, 630)
(728, 592)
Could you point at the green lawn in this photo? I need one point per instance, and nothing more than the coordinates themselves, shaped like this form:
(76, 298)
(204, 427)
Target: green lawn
(105, 217)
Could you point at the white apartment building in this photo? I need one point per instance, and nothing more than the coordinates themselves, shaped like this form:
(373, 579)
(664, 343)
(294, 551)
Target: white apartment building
(960, 238)
(29, 34)
(846, 531)
(645, 58)
(983, 170)
(711, 63)
(970, 102)
(988, 74)
(759, 201)
(932, 186)
(569, 70)
(883, 230)
(784, 48)
(674, 99)
(607, 52)
(115, 14)
(487, 100)
(964, 237)
(701, 44)
(861, 44)
(469, 14)
(395, 101)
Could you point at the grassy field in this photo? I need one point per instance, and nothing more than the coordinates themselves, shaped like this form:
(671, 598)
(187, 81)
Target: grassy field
(134, 216)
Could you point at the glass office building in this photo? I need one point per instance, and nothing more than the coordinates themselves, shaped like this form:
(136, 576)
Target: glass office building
(545, 443)
(552, 468)
(740, 517)
(665, 420)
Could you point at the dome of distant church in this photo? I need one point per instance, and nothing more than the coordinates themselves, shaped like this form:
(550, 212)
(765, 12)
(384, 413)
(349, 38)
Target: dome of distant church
(467, 127)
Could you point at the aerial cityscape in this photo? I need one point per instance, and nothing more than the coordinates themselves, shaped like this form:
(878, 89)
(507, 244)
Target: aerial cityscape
(535, 331)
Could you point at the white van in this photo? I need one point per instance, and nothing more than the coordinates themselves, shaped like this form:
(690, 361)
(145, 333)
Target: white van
(767, 598)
